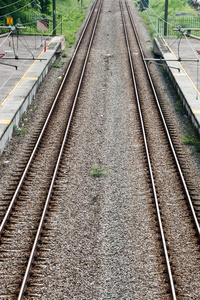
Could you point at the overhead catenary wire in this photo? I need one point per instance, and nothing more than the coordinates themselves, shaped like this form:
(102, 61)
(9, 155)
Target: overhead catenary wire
(12, 12)
(48, 16)
(168, 23)
(21, 64)
(10, 4)
(46, 37)
(26, 46)
(192, 48)
(14, 72)
(195, 53)
(31, 54)
(152, 22)
(8, 34)
(190, 45)
(160, 17)
(183, 3)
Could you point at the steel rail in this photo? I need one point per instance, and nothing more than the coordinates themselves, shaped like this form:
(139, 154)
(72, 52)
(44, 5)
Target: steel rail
(25, 172)
(166, 128)
(149, 160)
(37, 238)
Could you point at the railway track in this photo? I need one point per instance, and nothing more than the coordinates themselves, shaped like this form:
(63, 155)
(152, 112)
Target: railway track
(178, 251)
(22, 224)
(97, 254)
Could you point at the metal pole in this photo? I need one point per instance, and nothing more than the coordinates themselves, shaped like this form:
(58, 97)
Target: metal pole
(41, 45)
(166, 15)
(54, 17)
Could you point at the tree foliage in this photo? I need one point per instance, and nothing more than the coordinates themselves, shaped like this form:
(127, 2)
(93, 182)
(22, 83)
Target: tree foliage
(45, 6)
(19, 8)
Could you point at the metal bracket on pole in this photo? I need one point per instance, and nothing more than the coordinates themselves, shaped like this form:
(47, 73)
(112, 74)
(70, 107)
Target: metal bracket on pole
(165, 66)
(188, 33)
(23, 58)
(170, 59)
(8, 65)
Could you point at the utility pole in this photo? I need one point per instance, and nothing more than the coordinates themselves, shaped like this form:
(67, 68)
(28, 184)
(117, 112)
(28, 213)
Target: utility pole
(54, 17)
(166, 15)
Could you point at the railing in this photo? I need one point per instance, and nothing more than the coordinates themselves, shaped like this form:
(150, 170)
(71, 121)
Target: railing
(30, 22)
(184, 22)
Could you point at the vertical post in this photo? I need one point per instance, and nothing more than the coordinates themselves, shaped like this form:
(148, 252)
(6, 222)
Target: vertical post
(166, 15)
(41, 45)
(141, 5)
(54, 17)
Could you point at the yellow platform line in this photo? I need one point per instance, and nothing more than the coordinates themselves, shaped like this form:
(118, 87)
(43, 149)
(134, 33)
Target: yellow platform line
(4, 101)
(196, 111)
(5, 121)
(178, 74)
(186, 74)
(29, 78)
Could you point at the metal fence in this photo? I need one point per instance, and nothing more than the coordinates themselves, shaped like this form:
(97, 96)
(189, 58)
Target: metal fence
(30, 22)
(184, 22)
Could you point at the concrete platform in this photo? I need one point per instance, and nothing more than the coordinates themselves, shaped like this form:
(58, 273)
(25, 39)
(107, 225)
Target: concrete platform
(185, 75)
(18, 87)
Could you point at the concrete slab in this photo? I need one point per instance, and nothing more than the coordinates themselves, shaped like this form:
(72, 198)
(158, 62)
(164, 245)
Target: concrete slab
(186, 81)
(18, 87)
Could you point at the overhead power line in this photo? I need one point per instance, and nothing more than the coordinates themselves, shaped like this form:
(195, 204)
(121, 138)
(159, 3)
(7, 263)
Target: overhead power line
(159, 16)
(10, 4)
(12, 12)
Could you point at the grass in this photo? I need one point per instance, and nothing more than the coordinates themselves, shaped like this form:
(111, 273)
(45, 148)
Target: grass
(191, 140)
(33, 109)
(58, 64)
(22, 129)
(64, 54)
(98, 172)
(23, 119)
(156, 11)
(179, 107)
(72, 15)
(19, 131)
(69, 16)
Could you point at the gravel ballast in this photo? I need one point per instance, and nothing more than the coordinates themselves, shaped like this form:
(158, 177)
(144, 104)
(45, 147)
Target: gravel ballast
(101, 241)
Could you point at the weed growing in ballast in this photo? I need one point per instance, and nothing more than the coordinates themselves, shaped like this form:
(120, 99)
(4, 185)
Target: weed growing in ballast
(98, 172)
(192, 141)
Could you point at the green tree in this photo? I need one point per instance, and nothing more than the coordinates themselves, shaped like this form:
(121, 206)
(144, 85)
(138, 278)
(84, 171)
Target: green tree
(14, 9)
(45, 6)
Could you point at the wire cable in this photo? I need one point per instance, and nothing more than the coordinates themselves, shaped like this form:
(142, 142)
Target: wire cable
(13, 73)
(9, 33)
(26, 46)
(31, 54)
(46, 37)
(160, 17)
(193, 50)
(183, 3)
(10, 4)
(10, 13)
(156, 30)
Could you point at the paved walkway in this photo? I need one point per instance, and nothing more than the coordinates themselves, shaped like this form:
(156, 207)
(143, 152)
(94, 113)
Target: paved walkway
(19, 86)
(24, 47)
(187, 49)
(185, 73)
